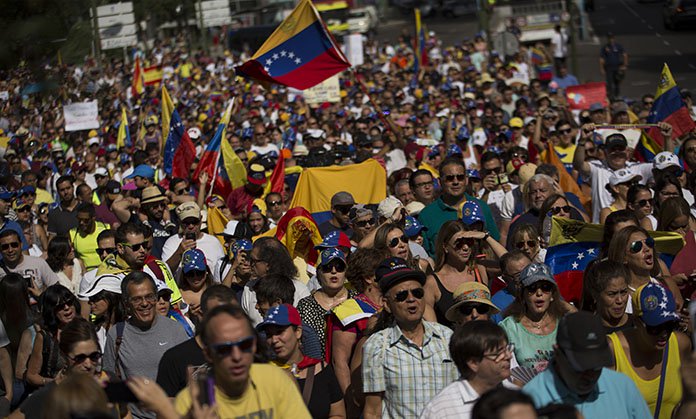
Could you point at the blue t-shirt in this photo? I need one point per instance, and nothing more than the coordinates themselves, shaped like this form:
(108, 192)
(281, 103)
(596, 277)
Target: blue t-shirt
(615, 396)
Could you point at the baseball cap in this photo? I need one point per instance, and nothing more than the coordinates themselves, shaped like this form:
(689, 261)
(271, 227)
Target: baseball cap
(342, 198)
(412, 227)
(19, 203)
(235, 229)
(535, 272)
(327, 255)
(257, 174)
(100, 171)
(193, 260)
(150, 195)
(665, 159)
(654, 304)
(582, 339)
(616, 140)
(188, 210)
(471, 213)
(300, 150)
(596, 107)
(109, 283)
(526, 171)
(242, 244)
(6, 194)
(281, 315)
(473, 174)
(142, 170)
(387, 206)
(334, 238)
(93, 141)
(113, 187)
(516, 122)
(622, 176)
(162, 287)
(393, 271)
(26, 190)
(454, 150)
(358, 210)
(470, 292)
(415, 207)
(194, 133)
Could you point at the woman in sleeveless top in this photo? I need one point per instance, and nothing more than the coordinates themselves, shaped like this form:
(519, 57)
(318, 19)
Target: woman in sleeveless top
(650, 354)
(605, 293)
(619, 183)
(456, 251)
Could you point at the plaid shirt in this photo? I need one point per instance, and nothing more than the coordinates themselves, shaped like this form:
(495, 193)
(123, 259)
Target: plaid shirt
(408, 375)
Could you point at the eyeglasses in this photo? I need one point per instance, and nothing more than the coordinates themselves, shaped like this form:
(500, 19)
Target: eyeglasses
(545, 287)
(423, 184)
(395, 241)
(645, 202)
(365, 223)
(6, 246)
(221, 350)
(460, 242)
(343, 209)
(109, 250)
(274, 203)
(150, 298)
(338, 265)
(80, 358)
(253, 261)
(667, 328)
(451, 178)
(467, 309)
(529, 243)
(564, 131)
(637, 245)
(136, 247)
(557, 210)
(500, 355)
(401, 296)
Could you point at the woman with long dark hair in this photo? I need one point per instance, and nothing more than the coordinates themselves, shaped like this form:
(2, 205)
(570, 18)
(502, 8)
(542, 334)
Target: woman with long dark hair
(105, 305)
(61, 258)
(58, 307)
(195, 279)
(605, 293)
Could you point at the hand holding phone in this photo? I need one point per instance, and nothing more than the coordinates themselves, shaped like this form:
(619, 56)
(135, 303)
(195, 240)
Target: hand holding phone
(118, 392)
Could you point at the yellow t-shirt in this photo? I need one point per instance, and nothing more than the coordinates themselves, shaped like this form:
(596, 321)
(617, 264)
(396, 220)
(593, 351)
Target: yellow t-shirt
(271, 394)
(42, 196)
(86, 247)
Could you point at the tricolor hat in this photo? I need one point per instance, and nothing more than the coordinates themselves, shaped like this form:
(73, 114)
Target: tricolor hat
(412, 227)
(281, 315)
(471, 213)
(193, 260)
(256, 174)
(454, 150)
(334, 239)
(654, 304)
(327, 255)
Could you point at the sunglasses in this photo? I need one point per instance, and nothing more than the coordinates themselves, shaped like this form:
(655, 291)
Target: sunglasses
(136, 247)
(182, 191)
(401, 296)
(224, 349)
(80, 358)
(460, 242)
(194, 274)
(274, 203)
(664, 328)
(24, 209)
(365, 223)
(467, 309)
(101, 250)
(557, 210)
(637, 245)
(338, 265)
(645, 202)
(395, 241)
(564, 131)
(68, 302)
(528, 243)
(13, 245)
(343, 209)
(190, 222)
(451, 178)
(544, 286)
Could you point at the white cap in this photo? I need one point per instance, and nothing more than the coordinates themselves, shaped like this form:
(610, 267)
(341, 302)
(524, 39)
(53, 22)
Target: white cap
(622, 176)
(230, 228)
(162, 286)
(109, 283)
(387, 207)
(101, 171)
(93, 141)
(414, 208)
(666, 159)
(194, 133)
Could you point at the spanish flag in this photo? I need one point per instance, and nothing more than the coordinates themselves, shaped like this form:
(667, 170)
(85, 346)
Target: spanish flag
(152, 75)
(300, 53)
(137, 83)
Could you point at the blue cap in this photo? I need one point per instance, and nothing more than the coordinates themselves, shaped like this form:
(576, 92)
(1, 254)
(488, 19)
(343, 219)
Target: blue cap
(654, 304)
(281, 315)
(535, 272)
(142, 170)
(596, 107)
(5, 194)
(334, 239)
(26, 190)
(434, 151)
(327, 255)
(413, 227)
(193, 260)
(471, 213)
(473, 173)
(242, 244)
(454, 150)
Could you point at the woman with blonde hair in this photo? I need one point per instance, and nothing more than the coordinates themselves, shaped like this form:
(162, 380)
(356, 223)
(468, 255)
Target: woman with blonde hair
(526, 238)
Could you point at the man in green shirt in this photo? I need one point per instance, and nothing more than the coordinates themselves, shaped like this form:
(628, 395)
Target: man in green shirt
(445, 208)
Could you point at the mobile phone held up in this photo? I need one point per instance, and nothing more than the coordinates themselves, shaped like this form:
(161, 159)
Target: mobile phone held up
(118, 392)
(190, 236)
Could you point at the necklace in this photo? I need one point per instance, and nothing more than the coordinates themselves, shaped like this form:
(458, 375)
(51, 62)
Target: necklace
(538, 325)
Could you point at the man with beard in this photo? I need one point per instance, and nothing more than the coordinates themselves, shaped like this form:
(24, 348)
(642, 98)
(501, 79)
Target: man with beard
(62, 216)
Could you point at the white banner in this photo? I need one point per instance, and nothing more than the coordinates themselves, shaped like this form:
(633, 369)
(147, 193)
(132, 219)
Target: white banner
(326, 91)
(81, 116)
(354, 49)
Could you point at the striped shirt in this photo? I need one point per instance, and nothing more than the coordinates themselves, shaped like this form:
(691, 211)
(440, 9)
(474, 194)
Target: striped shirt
(408, 375)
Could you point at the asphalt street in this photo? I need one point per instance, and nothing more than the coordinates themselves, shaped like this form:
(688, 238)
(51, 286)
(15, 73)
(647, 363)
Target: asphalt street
(637, 26)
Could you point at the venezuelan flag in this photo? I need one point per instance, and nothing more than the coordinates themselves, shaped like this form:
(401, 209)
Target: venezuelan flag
(420, 42)
(670, 108)
(123, 139)
(167, 111)
(300, 53)
(210, 160)
(367, 182)
(179, 151)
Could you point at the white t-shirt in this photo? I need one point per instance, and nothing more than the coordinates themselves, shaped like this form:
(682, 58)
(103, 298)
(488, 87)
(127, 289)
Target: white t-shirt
(559, 41)
(265, 149)
(599, 177)
(249, 299)
(210, 246)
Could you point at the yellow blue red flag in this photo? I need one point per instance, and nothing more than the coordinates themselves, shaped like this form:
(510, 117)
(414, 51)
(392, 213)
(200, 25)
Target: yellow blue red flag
(123, 139)
(300, 53)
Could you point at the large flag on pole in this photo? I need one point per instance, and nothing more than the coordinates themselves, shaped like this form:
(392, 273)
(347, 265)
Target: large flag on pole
(137, 83)
(167, 110)
(211, 160)
(668, 107)
(419, 47)
(300, 53)
(123, 139)
(179, 151)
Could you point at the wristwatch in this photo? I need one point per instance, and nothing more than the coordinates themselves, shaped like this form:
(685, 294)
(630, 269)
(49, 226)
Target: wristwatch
(486, 236)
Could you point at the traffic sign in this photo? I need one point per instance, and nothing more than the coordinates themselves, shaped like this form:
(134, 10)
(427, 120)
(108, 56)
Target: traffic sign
(115, 9)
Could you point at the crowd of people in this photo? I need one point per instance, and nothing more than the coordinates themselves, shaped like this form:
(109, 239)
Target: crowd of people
(118, 296)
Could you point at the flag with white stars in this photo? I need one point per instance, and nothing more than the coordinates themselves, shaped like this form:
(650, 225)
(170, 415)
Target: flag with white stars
(179, 151)
(568, 262)
(300, 53)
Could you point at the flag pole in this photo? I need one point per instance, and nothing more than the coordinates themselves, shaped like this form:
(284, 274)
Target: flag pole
(217, 161)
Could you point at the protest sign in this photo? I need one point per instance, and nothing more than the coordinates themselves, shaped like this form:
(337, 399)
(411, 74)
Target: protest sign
(81, 116)
(326, 91)
(583, 95)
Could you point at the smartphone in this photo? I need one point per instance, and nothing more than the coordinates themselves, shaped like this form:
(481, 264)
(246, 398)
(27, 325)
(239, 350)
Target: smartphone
(28, 281)
(503, 178)
(190, 236)
(206, 389)
(118, 392)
